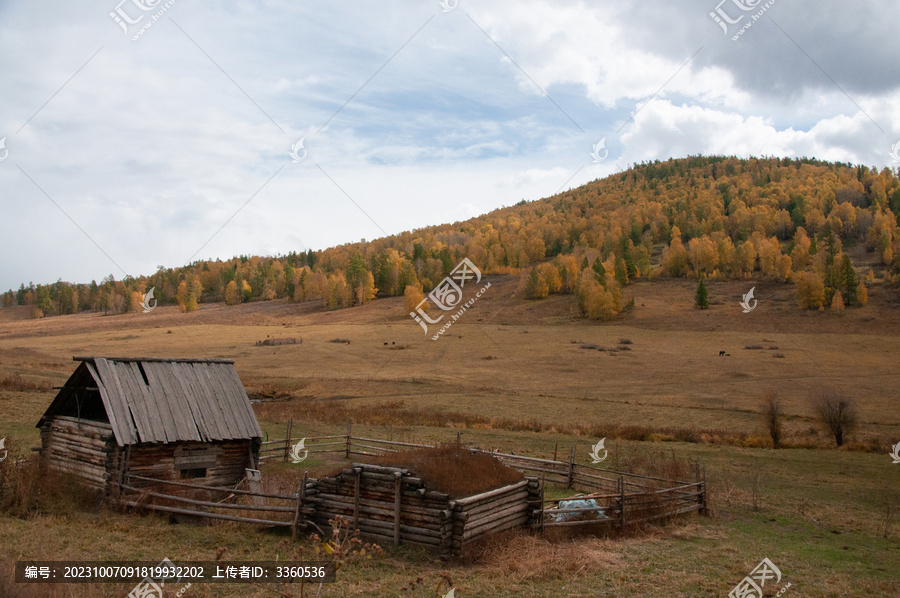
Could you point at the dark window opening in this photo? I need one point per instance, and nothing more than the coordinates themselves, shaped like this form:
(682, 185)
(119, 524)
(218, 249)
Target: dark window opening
(188, 474)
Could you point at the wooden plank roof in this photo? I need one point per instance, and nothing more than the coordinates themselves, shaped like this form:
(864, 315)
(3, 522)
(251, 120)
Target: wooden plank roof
(169, 400)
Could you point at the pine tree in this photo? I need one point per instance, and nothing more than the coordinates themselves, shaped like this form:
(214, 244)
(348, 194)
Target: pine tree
(621, 272)
(531, 284)
(849, 280)
(599, 271)
(701, 299)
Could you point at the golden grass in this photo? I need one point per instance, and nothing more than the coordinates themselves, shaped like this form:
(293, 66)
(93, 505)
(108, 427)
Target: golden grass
(515, 380)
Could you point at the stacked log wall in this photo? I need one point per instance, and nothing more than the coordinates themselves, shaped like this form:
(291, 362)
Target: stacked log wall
(366, 497)
(158, 461)
(424, 515)
(498, 510)
(80, 447)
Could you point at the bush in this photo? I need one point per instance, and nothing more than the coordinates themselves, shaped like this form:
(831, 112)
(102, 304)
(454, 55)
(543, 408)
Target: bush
(837, 413)
(27, 491)
(772, 414)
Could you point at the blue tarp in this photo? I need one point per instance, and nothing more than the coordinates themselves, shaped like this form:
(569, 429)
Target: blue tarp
(589, 503)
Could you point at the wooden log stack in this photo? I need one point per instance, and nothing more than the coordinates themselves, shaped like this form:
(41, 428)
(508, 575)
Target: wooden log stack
(392, 505)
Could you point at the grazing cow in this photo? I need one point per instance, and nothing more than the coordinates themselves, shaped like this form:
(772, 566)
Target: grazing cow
(721, 353)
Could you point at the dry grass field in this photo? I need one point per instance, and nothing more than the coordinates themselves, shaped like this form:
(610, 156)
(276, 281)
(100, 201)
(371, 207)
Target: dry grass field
(524, 376)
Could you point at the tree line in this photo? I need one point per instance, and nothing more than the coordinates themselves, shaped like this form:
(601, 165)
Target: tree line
(711, 217)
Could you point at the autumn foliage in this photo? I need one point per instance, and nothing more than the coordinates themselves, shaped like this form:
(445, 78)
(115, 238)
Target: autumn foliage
(721, 218)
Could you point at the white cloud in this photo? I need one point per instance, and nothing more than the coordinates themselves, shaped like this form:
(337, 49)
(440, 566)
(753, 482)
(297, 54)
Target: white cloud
(151, 148)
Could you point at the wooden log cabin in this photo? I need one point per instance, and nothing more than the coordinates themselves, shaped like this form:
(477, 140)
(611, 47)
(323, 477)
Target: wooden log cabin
(172, 419)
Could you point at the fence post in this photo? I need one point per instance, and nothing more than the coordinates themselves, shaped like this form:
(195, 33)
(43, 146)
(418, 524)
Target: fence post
(349, 432)
(301, 493)
(397, 482)
(703, 508)
(571, 476)
(621, 502)
(555, 446)
(358, 472)
(287, 440)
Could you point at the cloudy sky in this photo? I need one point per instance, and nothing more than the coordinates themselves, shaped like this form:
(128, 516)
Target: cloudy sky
(128, 146)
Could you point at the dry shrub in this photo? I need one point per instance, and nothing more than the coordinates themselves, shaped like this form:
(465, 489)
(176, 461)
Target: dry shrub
(837, 413)
(16, 382)
(655, 463)
(772, 416)
(453, 470)
(26, 490)
(757, 442)
(522, 556)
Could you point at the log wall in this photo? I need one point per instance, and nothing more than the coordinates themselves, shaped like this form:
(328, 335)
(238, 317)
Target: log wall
(88, 449)
(158, 461)
(80, 447)
(392, 506)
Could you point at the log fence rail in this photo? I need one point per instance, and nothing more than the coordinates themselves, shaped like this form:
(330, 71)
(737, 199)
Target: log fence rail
(393, 505)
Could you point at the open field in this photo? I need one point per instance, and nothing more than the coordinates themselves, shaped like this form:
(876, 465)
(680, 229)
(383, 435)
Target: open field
(505, 370)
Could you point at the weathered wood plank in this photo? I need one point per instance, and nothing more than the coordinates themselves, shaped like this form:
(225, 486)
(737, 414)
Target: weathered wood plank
(180, 425)
(198, 407)
(119, 418)
(250, 427)
(132, 380)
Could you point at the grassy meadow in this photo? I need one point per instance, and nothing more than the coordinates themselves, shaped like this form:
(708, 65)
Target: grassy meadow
(524, 377)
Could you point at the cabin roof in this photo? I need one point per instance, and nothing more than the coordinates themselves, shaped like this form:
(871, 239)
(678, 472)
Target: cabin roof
(164, 400)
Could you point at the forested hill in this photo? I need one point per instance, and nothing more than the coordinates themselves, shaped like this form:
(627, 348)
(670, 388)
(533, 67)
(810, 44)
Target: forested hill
(712, 217)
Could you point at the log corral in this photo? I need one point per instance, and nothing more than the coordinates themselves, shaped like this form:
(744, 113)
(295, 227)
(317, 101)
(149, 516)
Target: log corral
(165, 419)
(394, 505)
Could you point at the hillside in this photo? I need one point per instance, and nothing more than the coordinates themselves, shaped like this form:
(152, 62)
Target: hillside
(827, 227)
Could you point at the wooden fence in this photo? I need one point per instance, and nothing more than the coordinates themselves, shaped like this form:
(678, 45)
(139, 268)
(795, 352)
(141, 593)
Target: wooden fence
(618, 498)
(153, 494)
(621, 498)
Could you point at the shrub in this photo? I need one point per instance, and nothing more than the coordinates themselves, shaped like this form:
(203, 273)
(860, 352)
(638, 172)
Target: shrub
(837, 413)
(772, 415)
